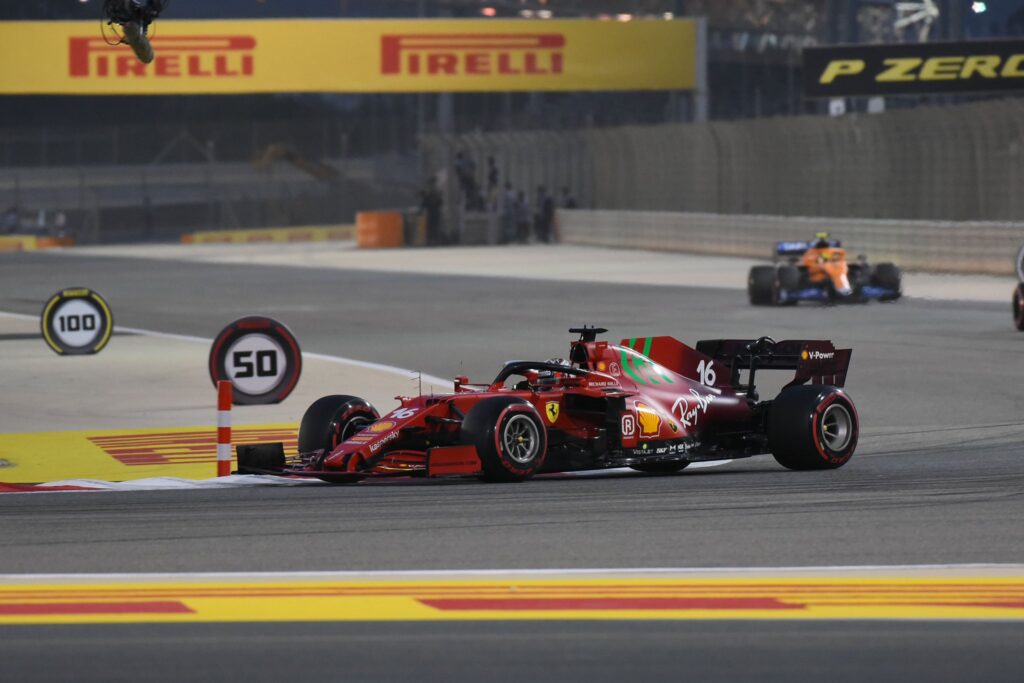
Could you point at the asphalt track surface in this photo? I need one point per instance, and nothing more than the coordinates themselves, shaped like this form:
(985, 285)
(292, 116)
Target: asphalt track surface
(938, 478)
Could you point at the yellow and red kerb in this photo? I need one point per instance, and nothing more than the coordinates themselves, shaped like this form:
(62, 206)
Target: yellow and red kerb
(207, 600)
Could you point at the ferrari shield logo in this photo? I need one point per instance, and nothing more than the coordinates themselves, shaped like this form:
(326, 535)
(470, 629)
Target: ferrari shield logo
(552, 408)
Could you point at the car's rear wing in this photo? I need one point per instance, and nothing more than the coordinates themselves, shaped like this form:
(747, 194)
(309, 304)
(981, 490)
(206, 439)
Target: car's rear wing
(815, 361)
(798, 248)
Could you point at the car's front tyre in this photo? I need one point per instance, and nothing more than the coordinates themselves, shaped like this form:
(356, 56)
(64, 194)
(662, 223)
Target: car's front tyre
(509, 436)
(1018, 307)
(330, 421)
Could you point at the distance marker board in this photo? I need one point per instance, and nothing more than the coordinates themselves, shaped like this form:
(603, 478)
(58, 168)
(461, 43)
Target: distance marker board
(260, 357)
(76, 322)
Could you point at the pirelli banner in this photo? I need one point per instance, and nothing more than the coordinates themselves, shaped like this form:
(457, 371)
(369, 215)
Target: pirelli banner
(914, 69)
(352, 56)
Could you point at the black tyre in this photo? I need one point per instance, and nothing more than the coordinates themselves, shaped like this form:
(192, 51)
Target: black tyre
(1018, 307)
(670, 467)
(812, 427)
(787, 278)
(331, 420)
(509, 436)
(859, 276)
(888, 276)
(760, 285)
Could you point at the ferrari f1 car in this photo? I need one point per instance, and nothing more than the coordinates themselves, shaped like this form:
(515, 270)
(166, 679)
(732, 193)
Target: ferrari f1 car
(819, 271)
(1018, 293)
(653, 404)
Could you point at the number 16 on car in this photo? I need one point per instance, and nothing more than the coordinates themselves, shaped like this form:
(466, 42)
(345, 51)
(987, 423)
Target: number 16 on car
(260, 357)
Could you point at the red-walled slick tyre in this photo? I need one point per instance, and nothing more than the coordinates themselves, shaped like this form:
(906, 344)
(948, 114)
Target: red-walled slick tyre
(331, 420)
(509, 436)
(812, 427)
(1018, 307)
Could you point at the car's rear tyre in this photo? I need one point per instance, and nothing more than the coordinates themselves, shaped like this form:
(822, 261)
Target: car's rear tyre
(331, 420)
(760, 285)
(812, 427)
(787, 279)
(1018, 307)
(509, 436)
(888, 276)
(670, 467)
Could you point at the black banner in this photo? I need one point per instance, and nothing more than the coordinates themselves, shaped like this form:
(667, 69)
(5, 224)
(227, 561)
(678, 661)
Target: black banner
(914, 69)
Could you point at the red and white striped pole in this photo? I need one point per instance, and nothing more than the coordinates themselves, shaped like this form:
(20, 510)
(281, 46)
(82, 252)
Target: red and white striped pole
(223, 428)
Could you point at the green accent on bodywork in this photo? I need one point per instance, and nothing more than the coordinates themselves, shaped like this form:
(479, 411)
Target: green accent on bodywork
(627, 367)
(648, 343)
(646, 363)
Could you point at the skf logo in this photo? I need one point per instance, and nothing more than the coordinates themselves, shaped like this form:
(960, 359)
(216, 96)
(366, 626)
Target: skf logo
(551, 409)
(176, 57)
(473, 54)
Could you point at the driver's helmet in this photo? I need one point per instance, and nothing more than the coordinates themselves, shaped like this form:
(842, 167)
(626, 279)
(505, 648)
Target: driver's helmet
(821, 241)
(552, 376)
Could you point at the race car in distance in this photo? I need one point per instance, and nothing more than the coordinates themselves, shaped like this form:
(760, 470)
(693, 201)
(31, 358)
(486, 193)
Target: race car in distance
(653, 404)
(819, 271)
(1018, 293)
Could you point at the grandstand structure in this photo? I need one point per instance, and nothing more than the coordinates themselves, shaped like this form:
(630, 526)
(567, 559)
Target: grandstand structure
(152, 167)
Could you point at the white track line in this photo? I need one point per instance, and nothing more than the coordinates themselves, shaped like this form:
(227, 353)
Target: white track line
(247, 480)
(622, 571)
(341, 360)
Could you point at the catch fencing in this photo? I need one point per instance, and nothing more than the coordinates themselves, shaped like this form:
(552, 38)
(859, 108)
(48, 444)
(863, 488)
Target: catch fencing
(954, 163)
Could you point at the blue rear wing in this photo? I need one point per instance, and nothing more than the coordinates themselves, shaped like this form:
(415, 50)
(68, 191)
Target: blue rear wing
(798, 248)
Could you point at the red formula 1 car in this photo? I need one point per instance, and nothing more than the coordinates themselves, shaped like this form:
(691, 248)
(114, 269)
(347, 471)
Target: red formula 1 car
(1018, 293)
(653, 404)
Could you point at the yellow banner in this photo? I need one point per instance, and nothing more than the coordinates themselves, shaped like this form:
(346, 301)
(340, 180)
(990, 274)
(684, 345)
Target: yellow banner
(351, 56)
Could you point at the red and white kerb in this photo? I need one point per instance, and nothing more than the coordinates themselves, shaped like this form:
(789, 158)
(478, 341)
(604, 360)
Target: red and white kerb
(223, 428)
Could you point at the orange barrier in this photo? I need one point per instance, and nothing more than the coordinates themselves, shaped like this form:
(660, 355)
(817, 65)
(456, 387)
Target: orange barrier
(379, 230)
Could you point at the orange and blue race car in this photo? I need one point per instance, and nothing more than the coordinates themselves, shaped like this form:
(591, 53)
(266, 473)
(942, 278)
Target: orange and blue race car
(819, 271)
(652, 404)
